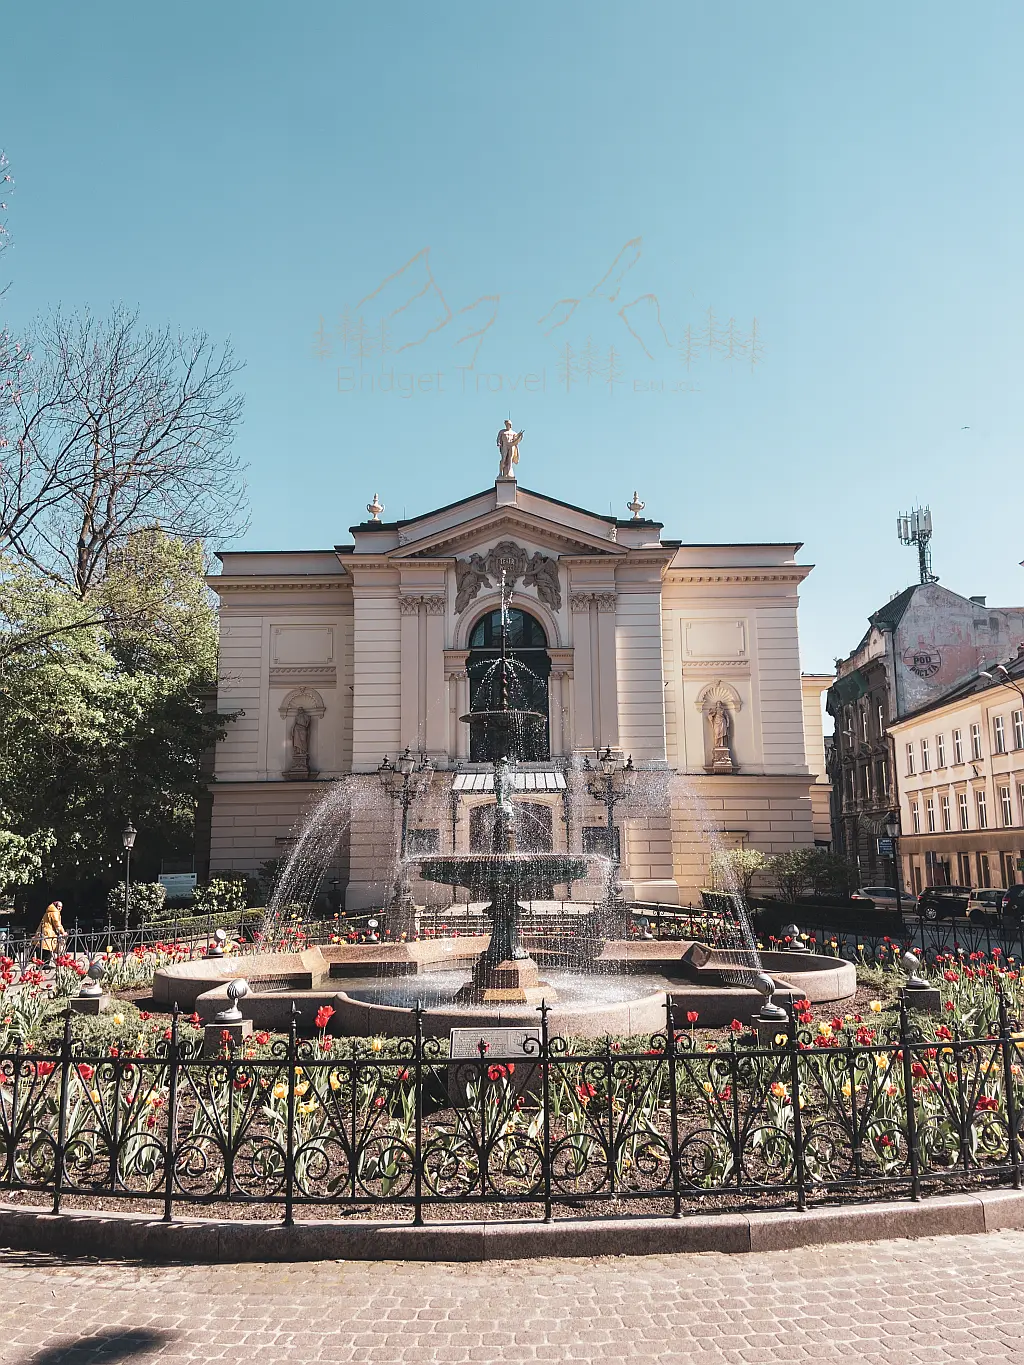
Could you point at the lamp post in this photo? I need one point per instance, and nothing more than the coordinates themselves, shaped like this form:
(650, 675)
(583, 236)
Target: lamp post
(610, 785)
(128, 839)
(1005, 678)
(404, 781)
(892, 829)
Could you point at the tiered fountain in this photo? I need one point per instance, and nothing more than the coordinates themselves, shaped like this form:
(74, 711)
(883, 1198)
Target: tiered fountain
(505, 973)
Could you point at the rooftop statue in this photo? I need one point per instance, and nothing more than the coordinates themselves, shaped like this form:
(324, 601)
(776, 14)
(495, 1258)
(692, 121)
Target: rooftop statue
(508, 446)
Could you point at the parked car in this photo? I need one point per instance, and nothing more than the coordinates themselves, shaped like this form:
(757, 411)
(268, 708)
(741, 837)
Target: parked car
(882, 897)
(943, 902)
(985, 903)
(1012, 903)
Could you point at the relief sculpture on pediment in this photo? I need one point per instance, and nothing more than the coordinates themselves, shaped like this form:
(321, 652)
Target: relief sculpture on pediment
(510, 560)
(542, 574)
(470, 576)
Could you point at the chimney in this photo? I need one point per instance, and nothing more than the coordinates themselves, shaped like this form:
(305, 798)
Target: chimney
(978, 601)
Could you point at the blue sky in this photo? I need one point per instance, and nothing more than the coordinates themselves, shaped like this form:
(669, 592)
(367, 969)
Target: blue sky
(352, 193)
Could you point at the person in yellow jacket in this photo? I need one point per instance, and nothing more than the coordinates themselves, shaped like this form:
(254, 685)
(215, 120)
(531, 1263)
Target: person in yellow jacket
(51, 930)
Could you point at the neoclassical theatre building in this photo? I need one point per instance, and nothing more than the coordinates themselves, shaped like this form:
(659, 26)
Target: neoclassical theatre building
(684, 657)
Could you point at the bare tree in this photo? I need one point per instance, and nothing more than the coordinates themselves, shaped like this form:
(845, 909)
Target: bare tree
(120, 428)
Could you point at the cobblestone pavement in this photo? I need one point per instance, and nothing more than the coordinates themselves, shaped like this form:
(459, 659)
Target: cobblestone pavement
(942, 1299)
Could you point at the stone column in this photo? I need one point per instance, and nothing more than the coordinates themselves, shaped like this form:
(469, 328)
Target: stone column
(435, 722)
(584, 736)
(411, 734)
(608, 723)
(558, 703)
(458, 684)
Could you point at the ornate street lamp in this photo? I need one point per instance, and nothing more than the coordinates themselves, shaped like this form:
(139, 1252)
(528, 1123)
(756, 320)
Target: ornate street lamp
(892, 829)
(128, 839)
(405, 782)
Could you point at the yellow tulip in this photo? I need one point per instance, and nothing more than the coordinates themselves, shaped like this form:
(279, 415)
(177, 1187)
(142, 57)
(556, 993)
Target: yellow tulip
(280, 1091)
(118, 1019)
(875, 1006)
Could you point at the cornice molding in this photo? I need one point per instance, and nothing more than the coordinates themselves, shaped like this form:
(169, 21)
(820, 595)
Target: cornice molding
(482, 528)
(737, 575)
(221, 585)
(297, 675)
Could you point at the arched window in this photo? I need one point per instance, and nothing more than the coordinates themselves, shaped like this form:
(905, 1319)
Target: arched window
(530, 666)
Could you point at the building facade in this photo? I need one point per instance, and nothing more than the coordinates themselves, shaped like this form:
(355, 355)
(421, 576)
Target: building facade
(331, 660)
(919, 646)
(961, 772)
(813, 687)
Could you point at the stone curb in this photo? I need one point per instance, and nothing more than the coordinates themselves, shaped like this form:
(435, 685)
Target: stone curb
(134, 1236)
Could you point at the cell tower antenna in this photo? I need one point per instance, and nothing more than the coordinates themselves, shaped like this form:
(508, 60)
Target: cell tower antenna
(915, 528)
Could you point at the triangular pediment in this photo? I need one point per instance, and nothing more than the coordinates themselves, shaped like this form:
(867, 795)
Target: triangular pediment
(460, 539)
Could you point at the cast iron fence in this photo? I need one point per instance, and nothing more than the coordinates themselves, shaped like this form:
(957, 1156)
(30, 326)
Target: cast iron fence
(865, 1110)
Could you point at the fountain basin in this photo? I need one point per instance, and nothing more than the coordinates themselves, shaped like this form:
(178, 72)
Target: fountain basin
(523, 874)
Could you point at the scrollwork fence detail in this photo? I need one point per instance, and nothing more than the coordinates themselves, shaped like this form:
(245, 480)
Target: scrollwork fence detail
(678, 1127)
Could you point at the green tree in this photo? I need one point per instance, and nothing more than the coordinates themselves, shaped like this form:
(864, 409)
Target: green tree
(21, 858)
(105, 703)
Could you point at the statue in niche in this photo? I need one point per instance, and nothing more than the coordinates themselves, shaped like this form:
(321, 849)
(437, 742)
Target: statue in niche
(542, 574)
(470, 576)
(299, 765)
(508, 448)
(721, 723)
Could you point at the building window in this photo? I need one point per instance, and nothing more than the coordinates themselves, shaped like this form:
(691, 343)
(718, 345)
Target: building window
(947, 814)
(940, 751)
(881, 721)
(881, 779)
(864, 723)
(1018, 729)
(1006, 804)
(958, 747)
(1006, 869)
(526, 681)
(929, 807)
(849, 785)
(910, 760)
(976, 740)
(984, 875)
(981, 801)
(915, 815)
(998, 735)
(963, 869)
(915, 872)
(926, 757)
(961, 798)
(1020, 801)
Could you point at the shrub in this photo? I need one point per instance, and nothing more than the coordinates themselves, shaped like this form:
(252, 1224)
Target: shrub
(791, 872)
(830, 874)
(223, 895)
(736, 868)
(145, 900)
